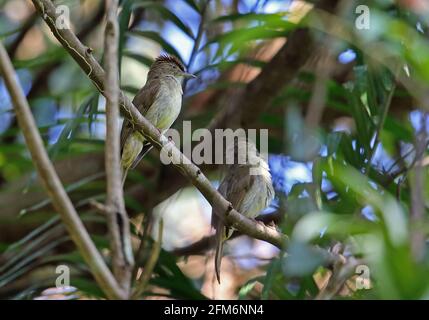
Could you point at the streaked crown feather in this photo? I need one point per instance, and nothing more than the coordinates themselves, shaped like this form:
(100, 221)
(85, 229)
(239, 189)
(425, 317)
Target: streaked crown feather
(170, 59)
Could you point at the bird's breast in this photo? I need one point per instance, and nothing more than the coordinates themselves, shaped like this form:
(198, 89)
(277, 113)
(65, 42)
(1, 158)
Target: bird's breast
(166, 107)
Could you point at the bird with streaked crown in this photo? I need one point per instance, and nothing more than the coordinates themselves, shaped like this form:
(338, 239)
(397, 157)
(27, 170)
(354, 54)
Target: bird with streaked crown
(159, 101)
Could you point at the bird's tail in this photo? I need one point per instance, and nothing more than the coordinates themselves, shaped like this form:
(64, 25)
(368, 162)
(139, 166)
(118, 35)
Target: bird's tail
(131, 150)
(220, 239)
(124, 175)
(218, 257)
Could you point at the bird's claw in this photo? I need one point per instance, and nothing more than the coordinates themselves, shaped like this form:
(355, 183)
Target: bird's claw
(170, 139)
(271, 224)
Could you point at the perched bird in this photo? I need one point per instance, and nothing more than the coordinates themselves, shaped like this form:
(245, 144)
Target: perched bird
(160, 101)
(247, 186)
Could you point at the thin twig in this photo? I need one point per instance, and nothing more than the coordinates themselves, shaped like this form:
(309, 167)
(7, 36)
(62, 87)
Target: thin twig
(340, 275)
(342, 270)
(380, 125)
(117, 218)
(100, 207)
(197, 41)
(53, 184)
(150, 265)
(404, 170)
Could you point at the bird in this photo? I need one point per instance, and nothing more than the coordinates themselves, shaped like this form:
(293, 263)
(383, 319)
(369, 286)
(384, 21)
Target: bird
(160, 101)
(248, 193)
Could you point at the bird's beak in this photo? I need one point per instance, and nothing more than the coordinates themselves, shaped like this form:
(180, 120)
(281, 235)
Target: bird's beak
(188, 75)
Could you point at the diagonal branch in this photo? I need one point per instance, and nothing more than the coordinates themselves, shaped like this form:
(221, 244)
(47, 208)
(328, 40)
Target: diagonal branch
(92, 68)
(206, 243)
(53, 184)
(117, 218)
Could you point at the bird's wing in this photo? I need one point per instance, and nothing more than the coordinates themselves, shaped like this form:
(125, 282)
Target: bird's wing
(222, 190)
(143, 100)
(234, 187)
(147, 146)
(241, 183)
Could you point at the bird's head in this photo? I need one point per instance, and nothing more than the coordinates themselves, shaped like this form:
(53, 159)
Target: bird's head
(168, 65)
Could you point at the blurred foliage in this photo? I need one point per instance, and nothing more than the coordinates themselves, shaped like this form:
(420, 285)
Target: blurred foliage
(361, 168)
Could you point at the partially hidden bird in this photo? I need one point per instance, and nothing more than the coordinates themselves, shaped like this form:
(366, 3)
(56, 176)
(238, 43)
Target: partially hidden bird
(247, 185)
(160, 101)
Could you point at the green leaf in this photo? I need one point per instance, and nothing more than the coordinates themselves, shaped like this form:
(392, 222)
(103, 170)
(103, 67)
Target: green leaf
(27, 262)
(238, 38)
(272, 20)
(247, 287)
(92, 110)
(88, 286)
(34, 233)
(138, 57)
(157, 38)
(69, 130)
(69, 188)
(29, 246)
(130, 89)
(168, 15)
(49, 57)
(301, 260)
(402, 131)
(193, 5)
(223, 65)
(272, 271)
(172, 278)
(364, 123)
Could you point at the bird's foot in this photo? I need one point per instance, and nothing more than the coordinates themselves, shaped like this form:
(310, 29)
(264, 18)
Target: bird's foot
(270, 224)
(170, 139)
